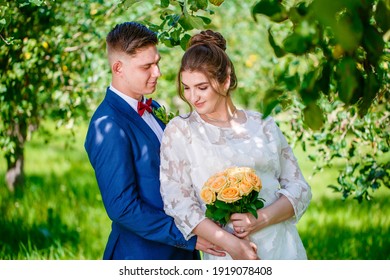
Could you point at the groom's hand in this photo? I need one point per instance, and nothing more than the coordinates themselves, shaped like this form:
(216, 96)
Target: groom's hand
(208, 247)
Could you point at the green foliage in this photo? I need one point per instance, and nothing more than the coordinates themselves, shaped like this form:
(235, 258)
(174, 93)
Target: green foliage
(47, 67)
(323, 65)
(335, 72)
(49, 52)
(179, 17)
(343, 46)
(359, 145)
(164, 115)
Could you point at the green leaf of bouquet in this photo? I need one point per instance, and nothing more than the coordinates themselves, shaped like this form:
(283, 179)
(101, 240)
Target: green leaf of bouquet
(219, 214)
(237, 209)
(209, 213)
(253, 196)
(253, 211)
(227, 217)
(222, 205)
(259, 204)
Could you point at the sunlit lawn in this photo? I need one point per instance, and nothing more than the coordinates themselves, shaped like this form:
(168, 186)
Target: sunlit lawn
(336, 229)
(61, 216)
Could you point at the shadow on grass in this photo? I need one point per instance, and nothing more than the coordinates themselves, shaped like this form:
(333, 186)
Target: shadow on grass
(346, 230)
(21, 240)
(43, 222)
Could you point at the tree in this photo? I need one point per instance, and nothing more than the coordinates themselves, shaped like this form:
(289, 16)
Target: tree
(47, 56)
(330, 71)
(344, 87)
(49, 51)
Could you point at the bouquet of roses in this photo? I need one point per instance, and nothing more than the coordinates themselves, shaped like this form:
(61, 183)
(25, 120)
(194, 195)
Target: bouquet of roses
(235, 190)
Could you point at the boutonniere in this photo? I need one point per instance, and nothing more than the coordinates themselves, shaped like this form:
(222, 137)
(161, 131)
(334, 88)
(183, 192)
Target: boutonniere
(162, 114)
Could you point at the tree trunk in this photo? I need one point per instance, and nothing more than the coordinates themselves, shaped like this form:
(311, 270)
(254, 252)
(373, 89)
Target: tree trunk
(15, 172)
(14, 176)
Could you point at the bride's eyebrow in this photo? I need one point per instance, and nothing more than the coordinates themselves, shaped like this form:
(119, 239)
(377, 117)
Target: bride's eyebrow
(196, 85)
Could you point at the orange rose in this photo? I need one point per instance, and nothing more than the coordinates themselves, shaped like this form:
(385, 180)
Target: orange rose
(236, 172)
(245, 187)
(229, 194)
(233, 180)
(253, 180)
(217, 182)
(207, 195)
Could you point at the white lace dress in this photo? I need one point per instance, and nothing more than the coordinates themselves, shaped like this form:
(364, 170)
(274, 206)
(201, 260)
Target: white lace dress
(192, 150)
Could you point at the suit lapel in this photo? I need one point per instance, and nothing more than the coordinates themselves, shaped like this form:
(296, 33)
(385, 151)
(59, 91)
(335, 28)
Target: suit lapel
(126, 111)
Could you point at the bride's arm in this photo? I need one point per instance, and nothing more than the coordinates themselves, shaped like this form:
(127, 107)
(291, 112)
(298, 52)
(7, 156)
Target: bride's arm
(177, 190)
(238, 249)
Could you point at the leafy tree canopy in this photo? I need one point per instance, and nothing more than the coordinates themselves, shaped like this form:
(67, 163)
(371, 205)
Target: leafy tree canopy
(329, 71)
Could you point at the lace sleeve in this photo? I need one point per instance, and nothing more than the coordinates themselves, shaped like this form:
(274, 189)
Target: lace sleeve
(178, 194)
(293, 184)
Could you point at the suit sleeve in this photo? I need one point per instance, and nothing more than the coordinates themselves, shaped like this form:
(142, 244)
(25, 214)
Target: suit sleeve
(110, 153)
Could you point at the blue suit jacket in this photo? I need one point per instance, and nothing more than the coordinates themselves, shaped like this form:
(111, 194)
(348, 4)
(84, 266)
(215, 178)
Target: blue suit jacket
(125, 153)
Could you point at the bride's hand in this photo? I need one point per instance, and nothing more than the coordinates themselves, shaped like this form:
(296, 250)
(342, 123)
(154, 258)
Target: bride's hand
(243, 224)
(243, 250)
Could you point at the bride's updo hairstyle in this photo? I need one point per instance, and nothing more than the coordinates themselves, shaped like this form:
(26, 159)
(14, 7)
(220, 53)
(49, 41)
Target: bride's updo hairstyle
(206, 54)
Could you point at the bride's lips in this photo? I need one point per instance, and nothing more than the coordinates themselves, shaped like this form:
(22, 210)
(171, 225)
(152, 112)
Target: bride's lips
(199, 104)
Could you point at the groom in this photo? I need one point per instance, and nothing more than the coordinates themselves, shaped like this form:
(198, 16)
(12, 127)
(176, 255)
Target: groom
(123, 146)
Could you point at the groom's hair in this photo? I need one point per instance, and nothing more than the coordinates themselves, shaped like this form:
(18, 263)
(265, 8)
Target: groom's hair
(130, 37)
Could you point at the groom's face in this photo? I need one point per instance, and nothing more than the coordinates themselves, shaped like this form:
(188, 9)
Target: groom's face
(139, 72)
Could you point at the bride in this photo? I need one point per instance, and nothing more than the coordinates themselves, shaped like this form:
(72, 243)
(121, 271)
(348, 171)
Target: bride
(216, 135)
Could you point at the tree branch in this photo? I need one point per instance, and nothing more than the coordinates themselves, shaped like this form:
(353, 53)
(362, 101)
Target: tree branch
(5, 41)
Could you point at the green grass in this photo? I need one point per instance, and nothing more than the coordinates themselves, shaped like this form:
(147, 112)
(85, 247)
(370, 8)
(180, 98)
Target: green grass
(61, 216)
(333, 229)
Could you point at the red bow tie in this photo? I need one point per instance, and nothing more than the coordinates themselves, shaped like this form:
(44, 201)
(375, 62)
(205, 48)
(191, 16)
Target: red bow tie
(142, 107)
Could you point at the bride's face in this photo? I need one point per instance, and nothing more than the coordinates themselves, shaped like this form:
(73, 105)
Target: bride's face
(199, 92)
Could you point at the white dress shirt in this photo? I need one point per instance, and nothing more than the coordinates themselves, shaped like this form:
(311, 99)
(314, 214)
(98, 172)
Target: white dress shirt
(147, 117)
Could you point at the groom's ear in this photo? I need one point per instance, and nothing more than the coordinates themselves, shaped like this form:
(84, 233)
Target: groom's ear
(117, 67)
